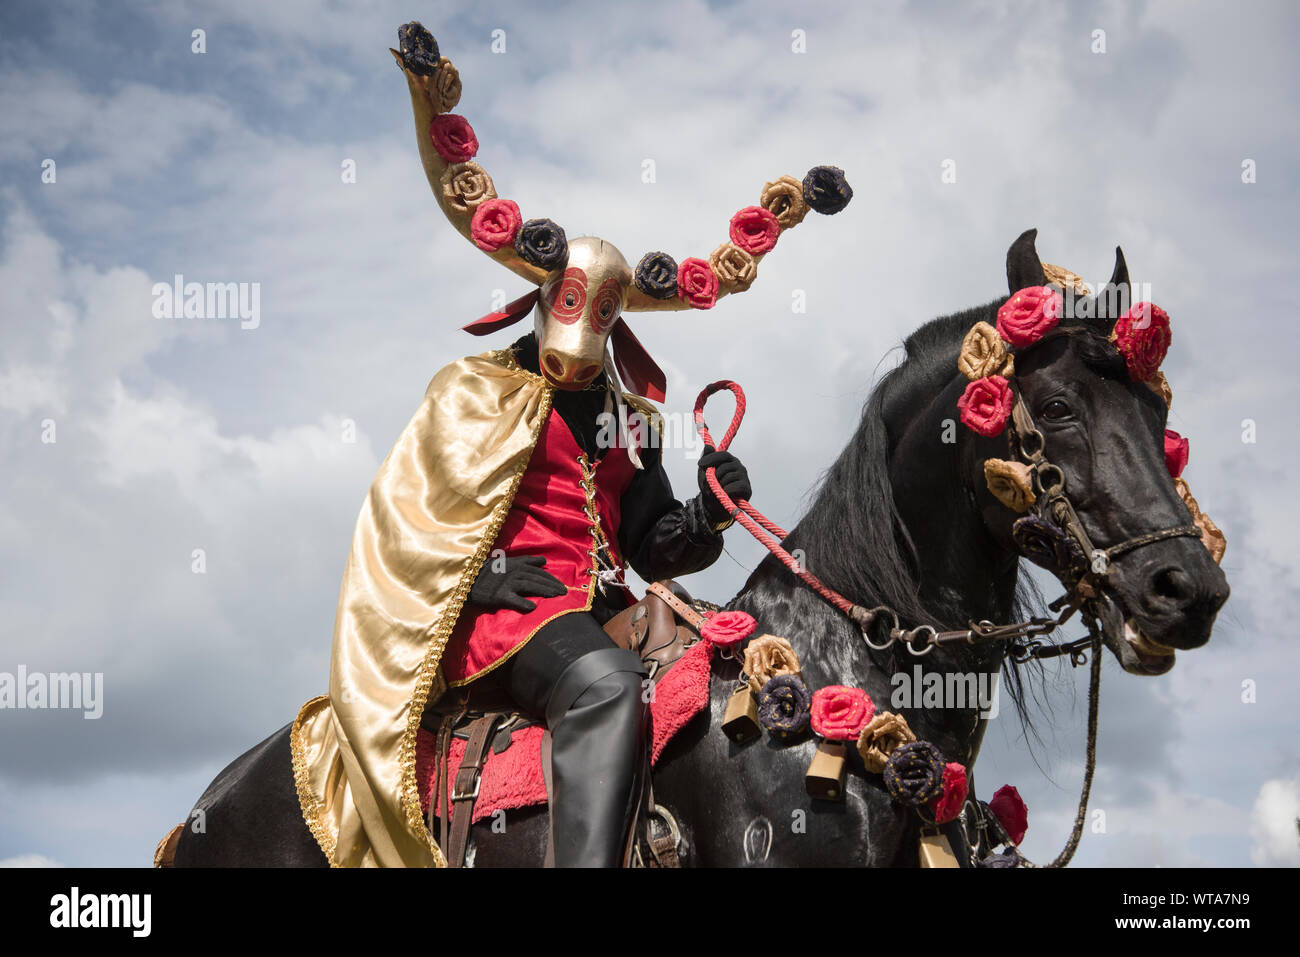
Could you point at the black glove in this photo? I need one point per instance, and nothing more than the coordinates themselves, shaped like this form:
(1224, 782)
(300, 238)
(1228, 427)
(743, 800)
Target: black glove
(731, 476)
(510, 588)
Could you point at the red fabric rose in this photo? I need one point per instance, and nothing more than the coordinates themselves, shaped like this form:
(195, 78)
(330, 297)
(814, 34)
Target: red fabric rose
(986, 405)
(1011, 812)
(840, 713)
(948, 805)
(1029, 315)
(697, 284)
(1176, 450)
(453, 138)
(723, 629)
(1142, 336)
(495, 224)
(754, 230)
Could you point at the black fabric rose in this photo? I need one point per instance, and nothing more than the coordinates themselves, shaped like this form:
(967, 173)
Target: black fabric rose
(1047, 545)
(826, 190)
(419, 48)
(914, 774)
(785, 705)
(1006, 859)
(656, 275)
(542, 243)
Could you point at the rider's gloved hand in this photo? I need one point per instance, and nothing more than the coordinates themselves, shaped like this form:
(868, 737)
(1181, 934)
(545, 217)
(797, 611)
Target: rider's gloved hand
(511, 587)
(733, 478)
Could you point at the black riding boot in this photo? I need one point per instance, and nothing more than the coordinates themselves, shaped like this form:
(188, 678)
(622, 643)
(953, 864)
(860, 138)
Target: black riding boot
(597, 720)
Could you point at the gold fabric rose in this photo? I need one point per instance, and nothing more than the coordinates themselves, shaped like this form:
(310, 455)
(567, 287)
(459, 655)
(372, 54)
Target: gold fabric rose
(465, 185)
(1068, 281)
(767, 657)
(735, 268)
(884, 734)
(443, 86)
(983, 353)
(783, 198)
(1160, 386)
(1211, 536)
(1010, 483)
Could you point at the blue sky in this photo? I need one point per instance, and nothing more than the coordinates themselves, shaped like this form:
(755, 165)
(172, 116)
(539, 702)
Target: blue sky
(176, 435)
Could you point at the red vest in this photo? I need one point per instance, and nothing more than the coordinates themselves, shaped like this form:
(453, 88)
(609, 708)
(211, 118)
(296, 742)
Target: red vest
(549, 517)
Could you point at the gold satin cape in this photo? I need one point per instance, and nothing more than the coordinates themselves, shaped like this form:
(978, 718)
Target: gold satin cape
(424, 532)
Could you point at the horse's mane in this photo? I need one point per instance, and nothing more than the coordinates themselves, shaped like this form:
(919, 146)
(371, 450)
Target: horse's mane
(872, 558)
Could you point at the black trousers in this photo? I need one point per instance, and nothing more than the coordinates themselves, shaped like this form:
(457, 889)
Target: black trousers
(529, 676)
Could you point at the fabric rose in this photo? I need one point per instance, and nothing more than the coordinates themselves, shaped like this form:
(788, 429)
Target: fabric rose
(735, 268)
(948, 805)
(724, 629)
(1010, 483)
(1211, 536)
(1060, 276)
(1176, 451)
(542, 243)
(784, 705)
(986, 405)
(1142, 336)
(444, 87)
(1160, 386)
(983, 353)
(656, 275)
(885, 733)
(1029, 315)
(495, 224)
(1046, 544)
(783, 198)
(453, 138)
(1011, 812)
(418, 48)
(697, 284)
(826, 190)
(766, 657)
(914, 773)
(465, 185)
(840, 713)
(754, 230)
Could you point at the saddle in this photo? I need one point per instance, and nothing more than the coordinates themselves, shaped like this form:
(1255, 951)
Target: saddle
(487, 721)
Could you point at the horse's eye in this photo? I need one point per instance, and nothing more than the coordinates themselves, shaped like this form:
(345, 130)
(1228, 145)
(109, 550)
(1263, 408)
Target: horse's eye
(605, 310)
(1056, 409)
(569, 300)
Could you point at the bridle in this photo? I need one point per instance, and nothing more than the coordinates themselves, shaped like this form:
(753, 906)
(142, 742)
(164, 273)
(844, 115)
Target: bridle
(1051, 535)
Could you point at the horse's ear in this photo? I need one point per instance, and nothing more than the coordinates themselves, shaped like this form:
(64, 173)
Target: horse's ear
(1024, 268)
(1113, 299)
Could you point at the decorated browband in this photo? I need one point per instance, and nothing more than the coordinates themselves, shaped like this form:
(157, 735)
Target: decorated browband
(538, 250)
(1141, 335)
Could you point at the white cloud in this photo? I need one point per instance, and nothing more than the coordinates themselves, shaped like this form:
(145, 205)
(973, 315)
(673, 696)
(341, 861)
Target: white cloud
(29, 860)
(1275, 824)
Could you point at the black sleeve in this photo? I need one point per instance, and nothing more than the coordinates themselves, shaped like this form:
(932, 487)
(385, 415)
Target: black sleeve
(658, 535)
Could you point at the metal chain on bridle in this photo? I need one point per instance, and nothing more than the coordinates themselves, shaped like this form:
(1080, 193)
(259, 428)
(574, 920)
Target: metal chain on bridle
(1065, 548)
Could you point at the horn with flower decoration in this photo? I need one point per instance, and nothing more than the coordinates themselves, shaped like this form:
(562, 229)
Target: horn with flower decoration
(585, 284)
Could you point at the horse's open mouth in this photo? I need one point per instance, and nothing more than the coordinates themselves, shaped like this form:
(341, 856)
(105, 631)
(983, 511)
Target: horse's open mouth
(1151, 657)
(1137, 654)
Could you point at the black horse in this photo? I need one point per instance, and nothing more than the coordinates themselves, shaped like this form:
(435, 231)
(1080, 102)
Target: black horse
(903, 518)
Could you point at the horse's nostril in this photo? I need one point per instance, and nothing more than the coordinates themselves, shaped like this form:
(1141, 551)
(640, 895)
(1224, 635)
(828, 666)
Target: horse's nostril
(590, 372)
(1173, 584)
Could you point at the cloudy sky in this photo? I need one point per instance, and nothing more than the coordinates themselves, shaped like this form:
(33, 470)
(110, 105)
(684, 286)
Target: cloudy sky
(177, 435)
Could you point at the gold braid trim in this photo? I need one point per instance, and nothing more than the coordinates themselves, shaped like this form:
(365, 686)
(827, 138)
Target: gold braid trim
(311, 809)
(441, 631)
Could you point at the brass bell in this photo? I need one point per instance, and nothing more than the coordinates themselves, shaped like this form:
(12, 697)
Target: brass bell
(936, 849)
(825, 776)
(740, 720)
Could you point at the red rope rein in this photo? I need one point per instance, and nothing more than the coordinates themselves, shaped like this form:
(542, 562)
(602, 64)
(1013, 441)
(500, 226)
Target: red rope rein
(746, 514)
